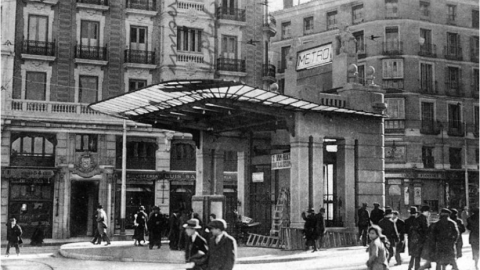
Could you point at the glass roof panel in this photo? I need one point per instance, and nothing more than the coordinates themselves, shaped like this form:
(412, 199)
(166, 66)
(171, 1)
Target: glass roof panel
(266, 95)
(287, 101)
(255, 93)
(277, 98)
(299, 103)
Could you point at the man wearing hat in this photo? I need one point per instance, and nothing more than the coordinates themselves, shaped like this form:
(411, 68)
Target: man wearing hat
(196, 246)
(413, 251)
(446, 235)
(363, 223)
(222, 247)
(155, 228)
(377, 214)
(391, 232)
(102, 225)
(309, 229)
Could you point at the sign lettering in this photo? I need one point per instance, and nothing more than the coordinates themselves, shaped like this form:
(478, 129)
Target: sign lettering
(315, 57)
(281, 161)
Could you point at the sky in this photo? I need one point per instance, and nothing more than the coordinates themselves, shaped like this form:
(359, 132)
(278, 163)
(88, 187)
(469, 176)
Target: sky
(278, 4)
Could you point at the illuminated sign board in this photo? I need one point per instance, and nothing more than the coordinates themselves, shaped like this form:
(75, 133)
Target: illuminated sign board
(315, 57)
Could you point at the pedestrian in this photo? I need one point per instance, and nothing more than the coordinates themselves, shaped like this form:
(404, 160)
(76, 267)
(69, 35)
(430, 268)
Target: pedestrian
(377, 249)
(446, 235)
(181, 234)
(412, 236)
(423, 240)
(429, 248)
(102, 226)
(95, 232)
(140, 223)
(464, 215)
(363, 223)
(38, 235)
(320, 227)
(222, 247)
(473, 239)
(173, 230)
(196, 246)
(155, 227)
(461, 229)
(309, 229)
(390, 231)
(399, 226)
(377, 214)
(208, 233)
(14, 236)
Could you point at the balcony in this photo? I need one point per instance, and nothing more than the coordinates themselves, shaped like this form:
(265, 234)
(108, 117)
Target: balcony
(94, 2)
(428, 87)
(269, 73)
(362, 51)
(394, 125)
(428, 50)
(148, 5)
(234, 14)
(92, 54)
(235, 65)
(281, 66)
(393, 84)
(392, 48)
(100, 5)
(140, 57)
(453, 89)
(31, 49)
(430, 127)
(455, 128)
(270, 27)
(474, 55)
(453, 53)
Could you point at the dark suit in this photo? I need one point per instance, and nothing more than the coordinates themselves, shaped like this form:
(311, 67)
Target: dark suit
(174, 231)
(192, 249)
(222, 255)
(14, 237)
(155, 227)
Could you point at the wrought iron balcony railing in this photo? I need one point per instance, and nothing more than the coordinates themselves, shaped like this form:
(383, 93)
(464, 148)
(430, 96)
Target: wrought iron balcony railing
(453, 89)
(453, 53)
(392, 47)
(140, 57)
(394, 125)
(428, 87)
(474, 55)
(228, 13)
(91, 52)
(428, 50)
(281, 67)
(430, 127)
(94, 2)
(227, 64)
(150, 5)
(455, 128)
(38, 47)
(268, 70)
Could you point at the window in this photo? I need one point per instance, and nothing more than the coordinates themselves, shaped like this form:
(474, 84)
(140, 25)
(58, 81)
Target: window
(428, 118)
(183, 156)
(286, 28)
(392, 40)
(86, 142)
(332, 20)
(475, 18)
(283, 61)
(360, 44)
(392, 68)
(424, 9)
(308, 25)
(32, 150)
(453, 44)
(395, 108)
(357, 14)
(426, 78)
(452, 80)
(474, 49)
(88, 90)
(475, 121)
(134, 84)
(229, 47)
(427, 157)
(391, 8)
(455, 158)
(36, 85)
(451, 13)
(230, 161)
(189, 39)
(361, 74)
(475, 82)
(138, 38)
(37, 28)
(454, 117)
(426, 42)
(140, 153)
(89, 33)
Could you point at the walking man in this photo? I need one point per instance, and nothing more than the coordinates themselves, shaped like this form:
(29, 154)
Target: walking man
(174, 230)
(155, 228)
(309, 229)
(472, 225)
(320, 227)
(399, 226)
(390, 231)
(222, 247)
(461, 229)
(102, 225)
(363, 223)
(14, 236)
(410, 224)
(196, 246)
(445, 234)
(377, 214)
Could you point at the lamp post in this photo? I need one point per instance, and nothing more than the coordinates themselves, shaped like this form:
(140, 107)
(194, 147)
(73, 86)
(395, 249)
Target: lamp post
(467, 203)
(123, 196)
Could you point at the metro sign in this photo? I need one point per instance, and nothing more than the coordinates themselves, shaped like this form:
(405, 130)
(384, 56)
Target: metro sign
(315, 57)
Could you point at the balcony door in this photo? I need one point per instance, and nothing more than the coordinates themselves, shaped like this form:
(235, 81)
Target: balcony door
(428, 116)
(426, 36)
(89, 34)
(229, 6)
(392, 38)
(37, 28)
(138, 38)
(454, 117)
(453, 41)
(229, 47)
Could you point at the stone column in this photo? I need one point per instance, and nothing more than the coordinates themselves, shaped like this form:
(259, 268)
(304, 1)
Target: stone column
(346, 181)
(298, 180)
(318, 181)
(204, 172)
(218, 165)
(243, 183)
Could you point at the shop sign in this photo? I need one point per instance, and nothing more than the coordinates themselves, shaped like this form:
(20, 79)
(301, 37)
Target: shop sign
(394, 181)
(281, 161)
(429, 175)
(141, 176)
(315, 57)
(30, 181)
(395, 154)
(180, 175)
(257, 177)
(230, 177)
(27, 173)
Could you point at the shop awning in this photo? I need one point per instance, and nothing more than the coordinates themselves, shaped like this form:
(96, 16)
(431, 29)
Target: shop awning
(213, 105)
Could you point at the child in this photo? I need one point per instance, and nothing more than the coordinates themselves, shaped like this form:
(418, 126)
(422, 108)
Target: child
(377, 250)
(14, 233)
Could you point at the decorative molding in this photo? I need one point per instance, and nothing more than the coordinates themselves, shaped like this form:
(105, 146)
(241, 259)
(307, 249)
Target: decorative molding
(192, 15)
(86, 166)
(191, 68)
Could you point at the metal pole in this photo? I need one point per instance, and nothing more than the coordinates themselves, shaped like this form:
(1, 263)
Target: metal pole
(124, 180)
(466, 162)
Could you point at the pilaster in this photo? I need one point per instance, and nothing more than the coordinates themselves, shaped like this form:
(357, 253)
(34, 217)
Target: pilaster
(318, 181)
(346, 181)
(298, 180)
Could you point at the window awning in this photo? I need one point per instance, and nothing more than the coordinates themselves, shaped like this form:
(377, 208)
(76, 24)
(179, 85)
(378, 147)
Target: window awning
(213, 105)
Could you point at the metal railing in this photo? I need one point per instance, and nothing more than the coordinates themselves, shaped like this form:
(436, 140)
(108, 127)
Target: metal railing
(394, 125)
(94, 2)
(150, 5)
(227, 64)
(140, 57)
(392, 47)
(453, 89)
(228, 13)
(474, 55)
(428, 50)
(38, 47)
(430, 127)
(91, 52)
(428, 87)
(453, 53)
(455, 128)
(269, 70)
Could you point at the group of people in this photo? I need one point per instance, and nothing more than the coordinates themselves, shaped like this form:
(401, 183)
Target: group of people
(440, 242)
(314, 228)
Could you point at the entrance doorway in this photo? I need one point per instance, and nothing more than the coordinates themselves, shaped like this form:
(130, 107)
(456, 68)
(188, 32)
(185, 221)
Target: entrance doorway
(181, 196)
(84, 199)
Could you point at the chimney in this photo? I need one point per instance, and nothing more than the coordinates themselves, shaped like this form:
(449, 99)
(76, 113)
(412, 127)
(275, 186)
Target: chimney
(287, 4)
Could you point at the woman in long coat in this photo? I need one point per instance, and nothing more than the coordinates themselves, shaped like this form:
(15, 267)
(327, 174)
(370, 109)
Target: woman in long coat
(140, 223)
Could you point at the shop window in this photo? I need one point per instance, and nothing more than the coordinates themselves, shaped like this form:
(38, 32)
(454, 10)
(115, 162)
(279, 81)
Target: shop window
(138, 194)
(134, 84)
(140, 153)
(189, 39)
(427, 157)
(332, 20)
(455, 158)
(230, 161)
(35, 85)
(183, 156)
(286, 30)
(36, 150)
(86, 142)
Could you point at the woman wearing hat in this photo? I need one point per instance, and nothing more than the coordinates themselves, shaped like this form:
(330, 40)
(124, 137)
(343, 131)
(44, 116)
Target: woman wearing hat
(155, 227)
(195, 246)
(140, 223)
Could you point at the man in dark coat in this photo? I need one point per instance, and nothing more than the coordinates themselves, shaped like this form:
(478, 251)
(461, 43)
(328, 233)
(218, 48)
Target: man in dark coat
(472, 226)
(320, 227)
(195, 246)
(38, 235)
(173, 230)
(446, 235)
(182, 220)
(461, 229)
(390, 231)
(410, 224)
(155, 228)
(377, 214)
(14, 236)
(222, 247)
(309, 229)
(399, 225)
(363, 223)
